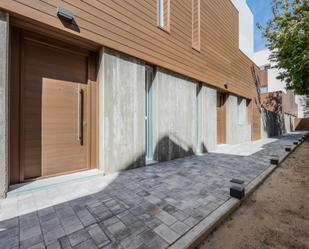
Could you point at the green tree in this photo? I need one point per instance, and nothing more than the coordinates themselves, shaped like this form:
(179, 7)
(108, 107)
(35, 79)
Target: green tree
(287, 35)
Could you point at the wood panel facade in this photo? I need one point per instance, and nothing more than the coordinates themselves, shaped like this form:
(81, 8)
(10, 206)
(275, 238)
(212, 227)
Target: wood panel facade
(208, 54)
(131, 27)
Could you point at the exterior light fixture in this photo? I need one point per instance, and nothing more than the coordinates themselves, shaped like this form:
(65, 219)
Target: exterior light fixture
(237, 188)
(288, 148)
(274, 159)
(226, 85)
(64, 13)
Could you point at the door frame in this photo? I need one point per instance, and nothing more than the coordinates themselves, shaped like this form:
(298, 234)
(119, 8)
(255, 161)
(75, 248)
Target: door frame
(149, 92)
(17, 36)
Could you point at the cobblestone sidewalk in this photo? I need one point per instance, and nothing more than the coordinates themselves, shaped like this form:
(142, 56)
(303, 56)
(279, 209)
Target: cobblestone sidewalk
(149, 207)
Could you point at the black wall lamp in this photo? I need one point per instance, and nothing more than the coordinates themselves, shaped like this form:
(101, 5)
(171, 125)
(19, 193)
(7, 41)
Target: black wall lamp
(64, 13)
(226, 85)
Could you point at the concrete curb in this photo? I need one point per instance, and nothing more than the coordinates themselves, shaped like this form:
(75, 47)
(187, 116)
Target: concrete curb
(195, 236)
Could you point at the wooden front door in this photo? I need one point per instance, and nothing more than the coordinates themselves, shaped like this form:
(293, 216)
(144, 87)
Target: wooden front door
(221, 118)
(55, 112)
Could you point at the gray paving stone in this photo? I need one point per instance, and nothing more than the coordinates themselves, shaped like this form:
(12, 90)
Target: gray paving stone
(38, 246)
(166, 233)
(119, 230)
(148, 236)
(191, 221)
(78, 237)
(28, 221)
(137, 227)
(132, 242)
(166, 218)
(51, 236)
(55, 245)
(152, 199)
(180, 227)
(170, 209)
(46, 214)
(180, 215)
(129, 218)
(157, 243)
(9, 241)
(88, 244)
(9, 223)
(85, 217)
(65, 243)
(30, 232)
(34, 240)
(50, 225)
(71, 225)
(97, 235)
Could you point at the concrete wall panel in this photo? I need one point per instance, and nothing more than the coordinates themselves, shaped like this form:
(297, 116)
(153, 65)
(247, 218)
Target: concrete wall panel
(271, 124)
(207, 119)
(4, 36)
(236, 132)
(174, 116)
(122, 106)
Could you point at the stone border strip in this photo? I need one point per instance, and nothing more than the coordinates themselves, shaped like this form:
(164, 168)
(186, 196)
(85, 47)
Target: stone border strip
(195, 236)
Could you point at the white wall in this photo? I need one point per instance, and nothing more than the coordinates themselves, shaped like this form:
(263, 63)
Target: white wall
(261, 58)
(246, 27)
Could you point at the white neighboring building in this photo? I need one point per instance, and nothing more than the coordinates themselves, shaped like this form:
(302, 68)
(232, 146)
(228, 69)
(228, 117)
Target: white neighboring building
(261, 58)
(246, 28)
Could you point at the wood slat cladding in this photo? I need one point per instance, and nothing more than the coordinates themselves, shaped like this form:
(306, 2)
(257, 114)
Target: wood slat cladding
(131, 27)
(196, 24)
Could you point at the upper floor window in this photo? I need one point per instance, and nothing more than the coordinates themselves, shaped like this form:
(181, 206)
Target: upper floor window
(196, 24)
(266, 67)
(164, 14)
(264, 89)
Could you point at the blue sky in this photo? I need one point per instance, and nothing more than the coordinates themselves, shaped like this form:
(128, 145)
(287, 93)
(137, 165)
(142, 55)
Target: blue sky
(262, 13)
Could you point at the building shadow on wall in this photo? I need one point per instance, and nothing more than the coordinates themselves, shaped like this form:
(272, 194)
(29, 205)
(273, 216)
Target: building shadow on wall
(166, 149)
(273, 123)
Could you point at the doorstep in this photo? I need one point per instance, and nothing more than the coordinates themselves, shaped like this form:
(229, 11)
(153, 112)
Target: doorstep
(24, 187)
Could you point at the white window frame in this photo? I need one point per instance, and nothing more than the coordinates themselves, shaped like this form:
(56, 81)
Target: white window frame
(161, 13)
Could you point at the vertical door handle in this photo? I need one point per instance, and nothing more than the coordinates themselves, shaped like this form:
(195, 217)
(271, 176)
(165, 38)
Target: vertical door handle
(80, 100)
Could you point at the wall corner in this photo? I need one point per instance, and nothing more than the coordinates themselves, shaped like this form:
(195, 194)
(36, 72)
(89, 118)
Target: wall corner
(4, 60)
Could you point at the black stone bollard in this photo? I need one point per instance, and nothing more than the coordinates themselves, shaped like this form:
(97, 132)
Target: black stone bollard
(237, 189)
